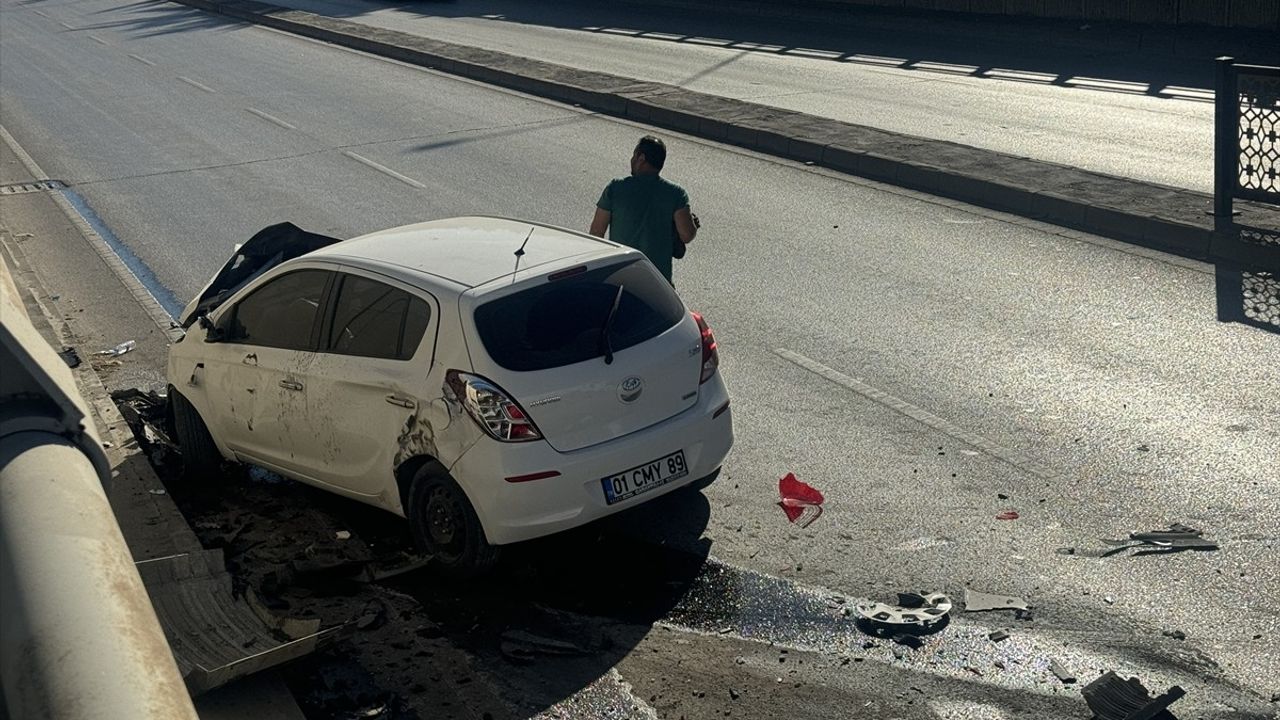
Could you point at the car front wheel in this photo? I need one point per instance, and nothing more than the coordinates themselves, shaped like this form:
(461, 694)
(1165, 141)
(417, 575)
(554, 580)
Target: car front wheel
(445, 525)
(200, 457)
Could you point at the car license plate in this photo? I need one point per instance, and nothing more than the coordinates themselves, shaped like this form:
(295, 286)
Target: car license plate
(643, 478)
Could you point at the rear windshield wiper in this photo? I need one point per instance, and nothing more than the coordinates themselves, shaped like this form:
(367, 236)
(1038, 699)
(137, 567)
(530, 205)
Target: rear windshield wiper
(608, 324)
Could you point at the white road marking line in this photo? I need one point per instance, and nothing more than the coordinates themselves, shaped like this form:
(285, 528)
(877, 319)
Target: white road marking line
(1020, 74)
(945, 67)
(921, 416)
(875, 60)
(98, 40)
(142, 60)
(40, 14)
(69, 27)
(197, 84)
(385, 170)
(708, 41)
(809, 52)
(271, 119)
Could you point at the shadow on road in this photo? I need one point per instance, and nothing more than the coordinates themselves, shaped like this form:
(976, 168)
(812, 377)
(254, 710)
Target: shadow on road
(1247, 277)
(551, 622)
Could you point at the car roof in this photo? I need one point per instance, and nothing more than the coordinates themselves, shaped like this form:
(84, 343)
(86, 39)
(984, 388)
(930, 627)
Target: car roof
(467, 251)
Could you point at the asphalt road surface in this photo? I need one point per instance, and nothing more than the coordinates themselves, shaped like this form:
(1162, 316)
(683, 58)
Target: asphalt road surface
(927, 366)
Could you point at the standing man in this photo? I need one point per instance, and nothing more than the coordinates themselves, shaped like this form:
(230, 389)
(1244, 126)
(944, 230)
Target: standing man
(645, 211)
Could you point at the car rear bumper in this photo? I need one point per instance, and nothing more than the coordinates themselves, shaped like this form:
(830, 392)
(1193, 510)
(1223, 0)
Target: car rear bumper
(516, 511)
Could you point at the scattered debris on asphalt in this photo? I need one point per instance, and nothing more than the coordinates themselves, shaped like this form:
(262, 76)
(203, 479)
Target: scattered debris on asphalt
(1111, 698)
(912, 641)
(801, 502)
(522, 647)
(975, 601)
(120, 349)
(1177, 538)
(1062, 673)
(998, 635)
(343, 535)
(146, 414)
(156, 491)
(1175, 634)
(263, 475)
(1008, 515)
(70, 357)
(373, 616)
(922, 610)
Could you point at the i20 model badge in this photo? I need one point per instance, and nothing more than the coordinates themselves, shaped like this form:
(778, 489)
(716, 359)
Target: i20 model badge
(630, 389)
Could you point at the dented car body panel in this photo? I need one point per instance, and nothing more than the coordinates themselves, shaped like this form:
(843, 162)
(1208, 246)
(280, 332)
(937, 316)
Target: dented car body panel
(334, 367)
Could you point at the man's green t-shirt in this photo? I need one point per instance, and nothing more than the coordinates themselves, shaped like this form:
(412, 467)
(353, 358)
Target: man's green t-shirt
(641, 211)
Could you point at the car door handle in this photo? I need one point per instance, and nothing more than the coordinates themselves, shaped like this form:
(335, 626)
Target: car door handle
(400, 401)
(290, 385)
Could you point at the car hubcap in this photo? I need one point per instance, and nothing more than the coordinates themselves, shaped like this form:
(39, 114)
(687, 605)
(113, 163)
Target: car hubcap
(444, 523)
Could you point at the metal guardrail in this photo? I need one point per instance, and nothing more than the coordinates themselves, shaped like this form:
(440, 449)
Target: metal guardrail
(79, 638)
(1246, 127)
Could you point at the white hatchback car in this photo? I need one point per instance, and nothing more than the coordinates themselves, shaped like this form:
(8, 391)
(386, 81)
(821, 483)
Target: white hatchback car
(490, 380)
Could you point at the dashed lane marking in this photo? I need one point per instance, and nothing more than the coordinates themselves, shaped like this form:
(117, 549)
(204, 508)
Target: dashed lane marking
(271, 118)
(196, 84)
(385, 170)
(142, 60)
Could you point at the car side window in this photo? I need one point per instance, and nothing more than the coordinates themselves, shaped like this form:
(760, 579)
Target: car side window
(281, 313)
(371, 319)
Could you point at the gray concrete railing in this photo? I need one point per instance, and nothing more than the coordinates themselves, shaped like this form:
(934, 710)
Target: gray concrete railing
(79, 638)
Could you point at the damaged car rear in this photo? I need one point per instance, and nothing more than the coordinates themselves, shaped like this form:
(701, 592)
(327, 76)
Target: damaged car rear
(490, 380)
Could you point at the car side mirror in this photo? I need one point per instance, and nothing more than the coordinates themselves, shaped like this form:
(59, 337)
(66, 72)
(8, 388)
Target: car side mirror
(212, 333)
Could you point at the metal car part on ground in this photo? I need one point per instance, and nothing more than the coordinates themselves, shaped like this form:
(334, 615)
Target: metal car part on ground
(922, 610)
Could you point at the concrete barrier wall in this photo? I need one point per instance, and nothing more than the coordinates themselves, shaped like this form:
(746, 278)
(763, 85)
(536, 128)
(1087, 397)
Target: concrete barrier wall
(1254, 14)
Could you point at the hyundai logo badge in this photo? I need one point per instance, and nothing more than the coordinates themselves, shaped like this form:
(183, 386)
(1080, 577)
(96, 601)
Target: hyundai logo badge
(630, 389)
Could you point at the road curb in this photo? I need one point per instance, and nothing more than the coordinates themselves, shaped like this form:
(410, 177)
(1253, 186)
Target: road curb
(1160, 217)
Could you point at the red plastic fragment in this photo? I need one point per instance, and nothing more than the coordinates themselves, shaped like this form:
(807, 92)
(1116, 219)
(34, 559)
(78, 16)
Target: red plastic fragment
(799, 500)
(1008, 515)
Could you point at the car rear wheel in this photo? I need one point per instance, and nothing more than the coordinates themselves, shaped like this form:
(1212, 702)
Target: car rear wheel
(445, 526)
(200, 457)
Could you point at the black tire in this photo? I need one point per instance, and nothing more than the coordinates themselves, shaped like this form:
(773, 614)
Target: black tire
(446, 527)
(200, 457)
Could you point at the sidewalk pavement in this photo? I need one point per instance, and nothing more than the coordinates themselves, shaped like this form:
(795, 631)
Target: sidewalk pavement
(1108, 31)
(1160, 217)
(154, 529)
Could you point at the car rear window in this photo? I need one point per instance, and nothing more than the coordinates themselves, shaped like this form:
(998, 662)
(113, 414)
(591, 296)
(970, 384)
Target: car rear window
(559, 322)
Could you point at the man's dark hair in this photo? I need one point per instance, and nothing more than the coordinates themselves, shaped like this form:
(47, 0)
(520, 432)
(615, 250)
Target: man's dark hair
(653, 151)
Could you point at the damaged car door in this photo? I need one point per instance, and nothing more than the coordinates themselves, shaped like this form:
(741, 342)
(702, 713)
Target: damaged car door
(367, 383)
(256, 369)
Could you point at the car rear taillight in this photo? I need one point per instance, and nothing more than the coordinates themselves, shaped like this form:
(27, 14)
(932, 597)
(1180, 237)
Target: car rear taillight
(710, 358)
(492, 409)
